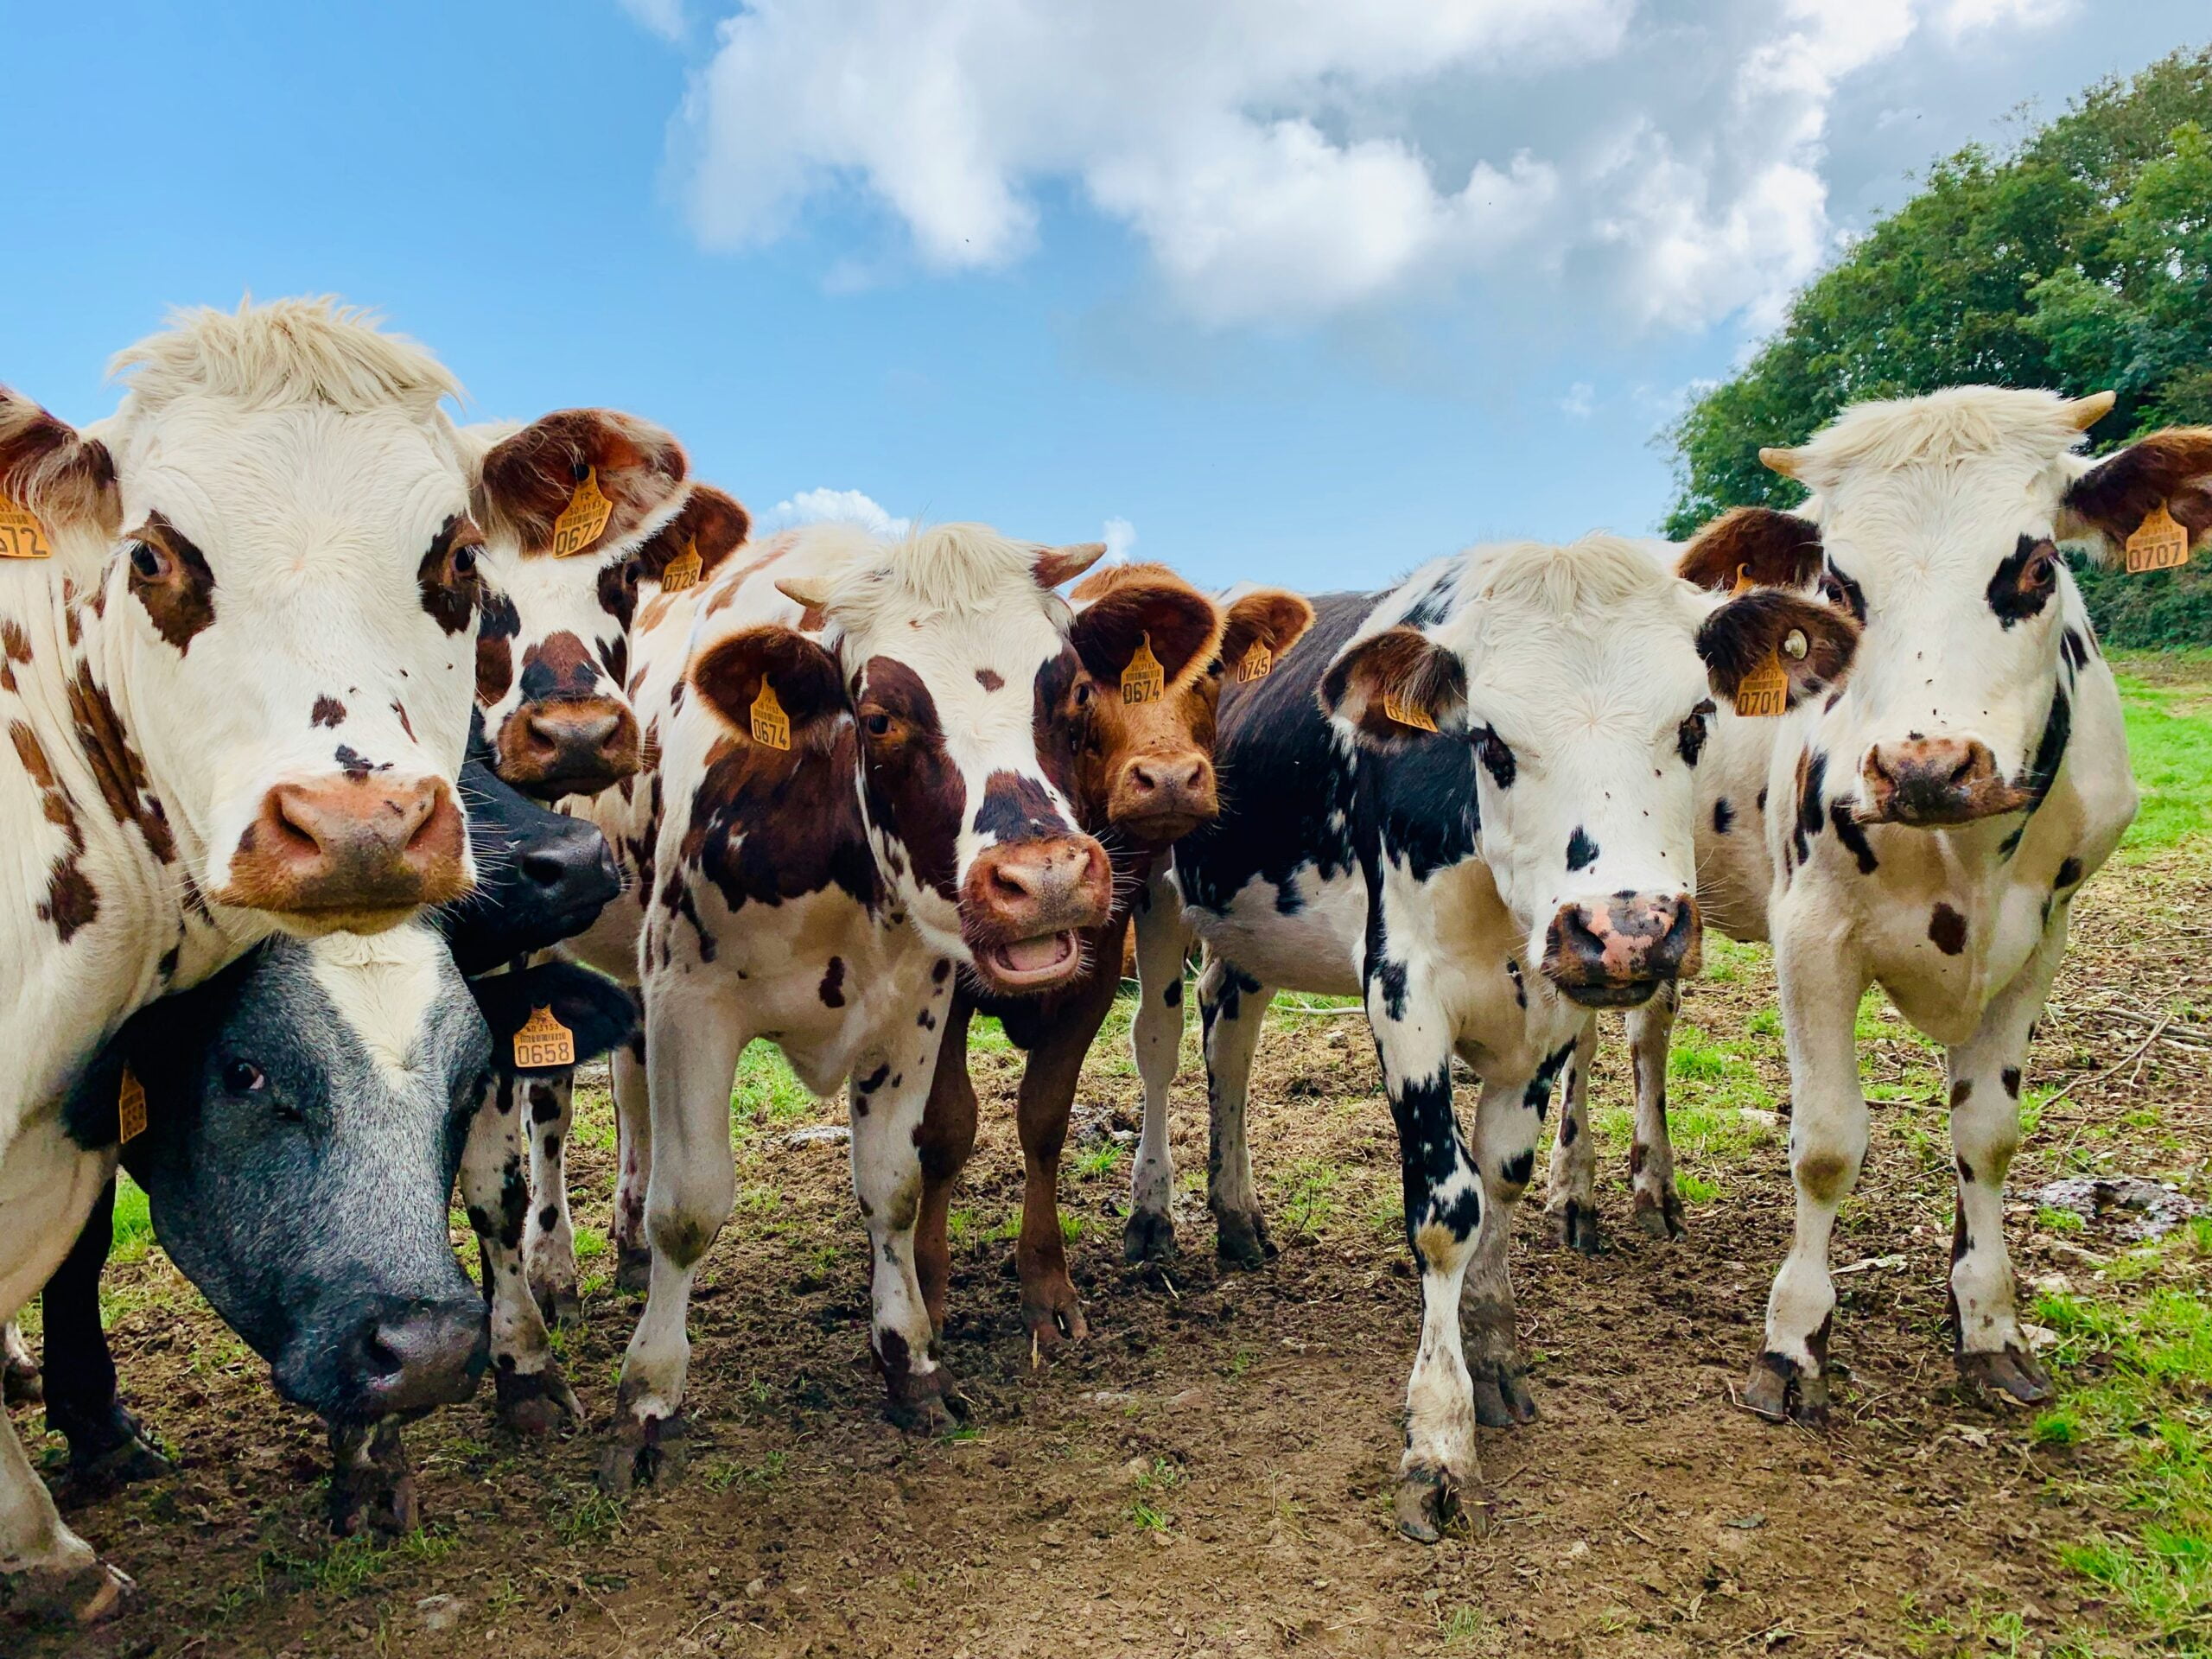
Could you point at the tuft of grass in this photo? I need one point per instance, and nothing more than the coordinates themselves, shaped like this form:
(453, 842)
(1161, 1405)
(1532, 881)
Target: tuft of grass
(1311, 1200)
(134, 1222)
(2169, 746)
(582, 1520)
(1097, 1161)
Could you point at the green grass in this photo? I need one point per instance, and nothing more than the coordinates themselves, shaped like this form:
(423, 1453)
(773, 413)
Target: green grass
(2169, 744)
(134, 1221)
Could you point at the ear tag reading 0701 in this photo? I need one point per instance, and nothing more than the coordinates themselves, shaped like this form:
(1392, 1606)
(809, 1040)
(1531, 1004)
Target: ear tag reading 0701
(2160, 542)
(21, 536)
(770, 725)
(583, 519)
(130, 1107)
(1407, 713)
(1144, 680)
(1258, 664)
(682, 571)
(1765, 691)
(545, 1040)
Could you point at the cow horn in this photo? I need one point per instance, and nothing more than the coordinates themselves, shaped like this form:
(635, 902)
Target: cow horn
(1057, 564)
(809, 592)
(1779, 461)
(2086, 412)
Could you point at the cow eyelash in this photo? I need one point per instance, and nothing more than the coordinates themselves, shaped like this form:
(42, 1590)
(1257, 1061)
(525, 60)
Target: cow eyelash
(149, 563)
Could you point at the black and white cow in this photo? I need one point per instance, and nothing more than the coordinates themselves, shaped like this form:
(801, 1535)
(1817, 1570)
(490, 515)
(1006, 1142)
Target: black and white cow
(1483, 884)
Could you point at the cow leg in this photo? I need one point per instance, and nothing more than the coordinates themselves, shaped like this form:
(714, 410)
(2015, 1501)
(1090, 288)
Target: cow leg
(1651, 1154)
(107, 1448)
(20, 1384)
(948, 1136)
(549, 1246)
(1827, 1143)
(1230, 1009)
(1156, 1040)
(533, 1396)
(1985, 1132)
(1573, 1206)
(1508, 1122)
(1050, 1306)
(371, 1484)
(692, 1046)
(634, 1163)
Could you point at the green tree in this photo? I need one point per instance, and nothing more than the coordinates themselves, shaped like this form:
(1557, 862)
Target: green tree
(2081, 260)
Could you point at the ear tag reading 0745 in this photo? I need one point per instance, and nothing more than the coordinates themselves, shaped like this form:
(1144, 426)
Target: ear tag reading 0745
(545, 1040)
(2160, 542)
(770, 725)
(682, 571)
(583, 519)
(1258, 664)
(21, 536)
(1407, 713)
(1144, 680)
(130, 1107)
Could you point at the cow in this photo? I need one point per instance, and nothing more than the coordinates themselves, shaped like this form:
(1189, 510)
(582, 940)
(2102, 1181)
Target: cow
(1467, 800)
(838, 823)
(1143, 778)
(1927, 828)
(235, 664)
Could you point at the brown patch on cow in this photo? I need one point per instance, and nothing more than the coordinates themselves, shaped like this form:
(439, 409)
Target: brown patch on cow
(328, 711)
(1748, 633)
(528, 480)
(1946, 929)
(912, 791)
(14, 647)
(769, 824)
(1822, 1175)
(449, 579)
(1770, 548)
(47, 467)
(495, 660)
(405, 725)
(71, 901)
(181, 599)
(1403, 664)
(711, 522)
(115, 765)
(559, 665)
(1960, 1091)
(832, 989)
(989, 679)
(2173, 467)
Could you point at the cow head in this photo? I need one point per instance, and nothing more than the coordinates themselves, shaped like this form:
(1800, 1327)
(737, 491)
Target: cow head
(1936, 521)
(950, 653)
(1582, 679)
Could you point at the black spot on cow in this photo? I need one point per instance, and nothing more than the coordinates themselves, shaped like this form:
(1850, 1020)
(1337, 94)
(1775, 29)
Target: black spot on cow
(356, 764)
(1496, 756)
(1762, 801)
(833, 983)
(2024, 581)
(1515, 1170)
(2069, 873)
(873, 1081)
(1724, 816)
(327, 711)
(1391, 976)
(1520, 988)
(2075, 651)
(1966, 1171)
(941, 970)
(1812, 808)
(1581, 851)
(1948, 929)
(926, 1021)
(1172, 995)
(1568, 1130)
(2042, 769)
(1961, 1091)
(1852, 837)
(546, 1217)
(544, 1104)
(552, 1145)
(2010, 1076)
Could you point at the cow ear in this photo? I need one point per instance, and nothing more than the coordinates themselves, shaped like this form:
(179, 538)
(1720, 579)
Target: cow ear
(711, 523)
(66, 479)
(1057, 564)
(753, 678)
(1754, 544)
(1179, 623)
(529, 481)
(1395, 687)
(598, 1013)
(1265, 616)
(1813, 642)
(2107, 503)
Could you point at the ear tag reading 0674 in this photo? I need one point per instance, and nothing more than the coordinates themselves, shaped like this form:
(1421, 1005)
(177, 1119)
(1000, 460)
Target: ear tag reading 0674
(2160, 542)
(583, 519)
(130, 1107)
(682, 571)
(545, 1040)
(770, 725)
(1258, 664)
(1407, 713)
(1144, 680)
(21, 536)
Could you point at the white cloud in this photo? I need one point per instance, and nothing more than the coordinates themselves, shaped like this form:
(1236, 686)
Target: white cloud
(664, 18)
(1580, 400)
(812, 506)
(1958, 17)
(1120, 535)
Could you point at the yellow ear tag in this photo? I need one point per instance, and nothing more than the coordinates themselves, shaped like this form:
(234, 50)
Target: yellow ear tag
(1144, 680)
(770, 725)
(545, 1040)
(21, 537)
(1258, 664)
(2160, 542)
(1407, 713)
(1763, 691)
(131, 1108)
(682, 571)
(582, 520)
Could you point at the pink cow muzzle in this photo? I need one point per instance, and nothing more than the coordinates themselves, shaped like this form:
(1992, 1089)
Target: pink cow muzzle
(1615, 952)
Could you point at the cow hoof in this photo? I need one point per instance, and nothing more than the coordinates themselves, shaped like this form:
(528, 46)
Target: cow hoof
(561, 1307)
(535, 1403)
(1426, 1502)
(21, 1384)
(1148, 1236)
(83, 1596)
(1053, 1318)
(120, 1461)
(1501, 1396)
(375, 1500)
(1575, 1227)
(633, 1269)
(930, 1403)
(1241, 1239)
(2012, 1371)
(1660, 1217)
(1781, 1391)
(643, 1454)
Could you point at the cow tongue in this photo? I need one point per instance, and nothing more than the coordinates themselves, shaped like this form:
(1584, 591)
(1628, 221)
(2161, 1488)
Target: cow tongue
(1028, 956)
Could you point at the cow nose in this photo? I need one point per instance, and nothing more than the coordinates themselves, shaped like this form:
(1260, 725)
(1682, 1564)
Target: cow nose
(1163, 798)
(574, 748)
(1039, 892)
(353, 849)
(571, 873)
(412, 1356)
(1615, 952)
(1935, 781)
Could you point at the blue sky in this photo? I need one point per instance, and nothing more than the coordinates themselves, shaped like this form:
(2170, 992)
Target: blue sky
(1296, 289)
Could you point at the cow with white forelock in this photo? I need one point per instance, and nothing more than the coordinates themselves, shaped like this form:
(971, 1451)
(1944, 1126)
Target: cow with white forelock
(1468, 798)
(236, 650)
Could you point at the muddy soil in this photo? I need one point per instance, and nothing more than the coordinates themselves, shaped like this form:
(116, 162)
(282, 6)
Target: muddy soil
(1210, 1472)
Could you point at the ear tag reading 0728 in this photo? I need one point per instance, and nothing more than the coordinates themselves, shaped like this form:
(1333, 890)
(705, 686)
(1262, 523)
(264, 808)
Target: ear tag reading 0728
(1144, 680)
(682, 571)
(21, 536)
(1258, 664)
(583, 519)
(770, 725)
(2160, 542)
(1407, 713)
(545, 1040)
(130, 1107)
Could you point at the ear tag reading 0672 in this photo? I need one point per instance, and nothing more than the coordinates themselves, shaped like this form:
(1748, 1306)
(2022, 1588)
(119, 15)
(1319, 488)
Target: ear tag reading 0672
(545, 1040)
(130, 1107)
(770, 725)
(1258, 664)
(583, 519)
(2160, 542)
(1144, 680)
(682, 571)
(21, 536)
(1407, 713)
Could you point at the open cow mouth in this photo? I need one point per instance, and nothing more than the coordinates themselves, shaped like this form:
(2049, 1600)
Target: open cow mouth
(1044, 960)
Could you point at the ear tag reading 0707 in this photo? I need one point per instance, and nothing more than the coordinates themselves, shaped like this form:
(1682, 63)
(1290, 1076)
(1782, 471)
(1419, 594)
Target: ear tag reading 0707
(1258, 664)
(583, 519)
(1407, 713)
(545, 1040)
(682, 571)
(770, 725)
(130, 1107)
(1144, 680)
(21, 536)
(2160, 542)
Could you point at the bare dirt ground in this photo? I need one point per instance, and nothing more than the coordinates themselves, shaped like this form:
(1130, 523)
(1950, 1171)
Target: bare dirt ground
(1210, 1472)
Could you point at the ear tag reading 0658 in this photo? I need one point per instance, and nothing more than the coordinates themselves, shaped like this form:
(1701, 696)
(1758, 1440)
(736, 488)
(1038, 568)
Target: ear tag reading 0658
(583, 519)
(545, 1040)
(21, 536)
(130, 1107)
(770, 725)
(1144, 680)
(682, 571)
(1407, 713)
(1258, 664)
(2160, 542)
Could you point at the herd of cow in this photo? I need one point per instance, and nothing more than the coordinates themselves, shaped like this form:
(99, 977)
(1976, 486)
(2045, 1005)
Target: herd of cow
(333, 718)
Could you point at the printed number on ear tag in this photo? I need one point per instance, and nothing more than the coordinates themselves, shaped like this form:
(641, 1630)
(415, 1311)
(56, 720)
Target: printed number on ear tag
(544, 1041)
(130, 1107)
(682, 571)
(21, 536)
(583, 519)
(2160, 542)
(1144, 680)
(1763, 691)
(1258, 664)
(770, 725)
(1407, 713)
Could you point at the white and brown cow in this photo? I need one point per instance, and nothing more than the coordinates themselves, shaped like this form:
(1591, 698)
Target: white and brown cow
(237, 642)
(1469, 798)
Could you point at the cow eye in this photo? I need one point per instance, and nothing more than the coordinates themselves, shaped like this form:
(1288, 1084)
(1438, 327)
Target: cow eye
(464, 560)
(878, 725)
(151, 563)
(2043, 568)
(242, 1077)
(1082, 694)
